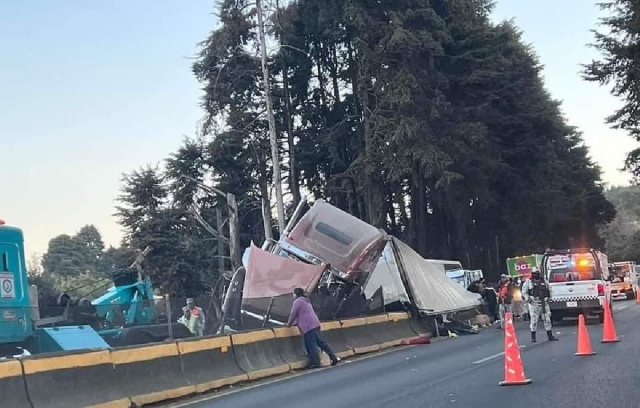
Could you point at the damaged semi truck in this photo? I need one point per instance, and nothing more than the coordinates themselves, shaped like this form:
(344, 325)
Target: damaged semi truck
(349, 267)
(339, 251)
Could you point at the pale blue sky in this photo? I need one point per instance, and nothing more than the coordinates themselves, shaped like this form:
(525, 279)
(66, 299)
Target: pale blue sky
(89, 90)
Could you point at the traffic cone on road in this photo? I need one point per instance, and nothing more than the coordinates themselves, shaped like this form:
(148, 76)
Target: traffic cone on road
(584, 341)
(513, 370)
(638, 296)
(609, 330)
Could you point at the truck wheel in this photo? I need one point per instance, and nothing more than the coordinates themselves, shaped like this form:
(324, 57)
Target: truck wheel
(631, 295)
(601, 317)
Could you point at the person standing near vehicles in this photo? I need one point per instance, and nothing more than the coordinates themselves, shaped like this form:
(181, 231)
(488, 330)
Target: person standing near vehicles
(188, 320)
(505, 298)
(536, 293)
(303, 316)
(198, 315)
(491, 297)
(516, 298)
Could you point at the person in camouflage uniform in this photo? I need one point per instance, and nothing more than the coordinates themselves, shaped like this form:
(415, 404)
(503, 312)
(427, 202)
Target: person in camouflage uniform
(536, 293)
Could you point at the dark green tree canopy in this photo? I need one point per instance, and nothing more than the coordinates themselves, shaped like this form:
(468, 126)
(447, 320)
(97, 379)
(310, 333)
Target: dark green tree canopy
(623, 233)
(422, 117)
(619, 44)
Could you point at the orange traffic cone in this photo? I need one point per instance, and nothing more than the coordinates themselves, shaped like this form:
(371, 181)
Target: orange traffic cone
(513, 370)
(638, 296)
(609, 330)
(584, 341)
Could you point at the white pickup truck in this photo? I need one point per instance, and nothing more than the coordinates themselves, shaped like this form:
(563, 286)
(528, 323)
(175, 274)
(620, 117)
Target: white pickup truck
(578, 282)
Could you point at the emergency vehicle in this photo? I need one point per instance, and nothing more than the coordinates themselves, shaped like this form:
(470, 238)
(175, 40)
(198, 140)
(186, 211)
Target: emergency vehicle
(578, 282)
(623, 280)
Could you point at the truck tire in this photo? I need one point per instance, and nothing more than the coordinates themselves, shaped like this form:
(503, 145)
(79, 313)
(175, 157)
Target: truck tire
(601, 317)
(631, 295)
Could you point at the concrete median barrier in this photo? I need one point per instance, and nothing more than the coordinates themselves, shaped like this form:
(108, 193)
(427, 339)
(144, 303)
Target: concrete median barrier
(257, 354)
(400, 327)
(12, 387)
(209, 363)
(423, 326)
(358, 336)
(332, 334)
(142, 375)
(73, 379)
(380, 331)
(291, 347)
(150, 374)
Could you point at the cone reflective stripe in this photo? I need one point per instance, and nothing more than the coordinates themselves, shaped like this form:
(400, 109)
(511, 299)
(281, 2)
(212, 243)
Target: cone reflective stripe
(513, 370)
(609, 330)
(584, 342)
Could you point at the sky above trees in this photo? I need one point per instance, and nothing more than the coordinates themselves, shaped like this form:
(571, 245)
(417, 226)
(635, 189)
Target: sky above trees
(111, 90)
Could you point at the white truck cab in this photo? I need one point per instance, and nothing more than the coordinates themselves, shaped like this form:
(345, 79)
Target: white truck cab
(622, 276)
(578, 282)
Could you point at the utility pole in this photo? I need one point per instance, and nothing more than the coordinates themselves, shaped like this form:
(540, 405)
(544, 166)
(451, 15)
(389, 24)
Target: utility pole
(275, 157)
(220, 226)
(234, 232)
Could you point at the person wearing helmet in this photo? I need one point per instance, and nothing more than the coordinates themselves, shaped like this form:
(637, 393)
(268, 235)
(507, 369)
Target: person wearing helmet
(536, 293)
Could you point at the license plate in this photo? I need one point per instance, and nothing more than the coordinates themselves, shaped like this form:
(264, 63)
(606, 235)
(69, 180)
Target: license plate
(572, 304)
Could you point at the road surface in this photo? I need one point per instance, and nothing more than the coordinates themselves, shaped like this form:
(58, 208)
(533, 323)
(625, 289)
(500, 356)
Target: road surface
(464, 372)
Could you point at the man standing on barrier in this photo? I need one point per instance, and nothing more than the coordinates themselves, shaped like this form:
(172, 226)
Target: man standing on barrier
(303, 315)
(536, 293)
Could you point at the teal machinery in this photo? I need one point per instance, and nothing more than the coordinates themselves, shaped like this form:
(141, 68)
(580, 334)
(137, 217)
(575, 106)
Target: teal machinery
(20, 327)
(125, 315)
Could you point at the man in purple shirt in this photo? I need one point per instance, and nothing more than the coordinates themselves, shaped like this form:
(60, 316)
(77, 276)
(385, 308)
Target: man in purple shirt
(303, 315)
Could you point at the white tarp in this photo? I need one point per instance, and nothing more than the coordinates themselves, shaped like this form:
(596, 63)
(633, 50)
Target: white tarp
(432, 291)
(387, 275)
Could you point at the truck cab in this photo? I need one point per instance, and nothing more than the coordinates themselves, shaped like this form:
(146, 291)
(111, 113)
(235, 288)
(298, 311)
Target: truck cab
(622, 276)
(15, 315)
(578, 282)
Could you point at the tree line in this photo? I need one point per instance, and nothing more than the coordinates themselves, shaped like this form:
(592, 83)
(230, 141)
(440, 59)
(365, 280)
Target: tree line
(421, 117)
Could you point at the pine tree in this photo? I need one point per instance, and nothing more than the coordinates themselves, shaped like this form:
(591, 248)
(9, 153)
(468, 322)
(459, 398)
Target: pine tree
(618, 68)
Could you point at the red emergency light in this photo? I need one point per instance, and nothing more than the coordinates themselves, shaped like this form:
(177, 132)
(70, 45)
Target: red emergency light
(2, 222)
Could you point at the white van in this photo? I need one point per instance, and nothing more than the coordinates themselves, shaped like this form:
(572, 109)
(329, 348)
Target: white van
(578, 282)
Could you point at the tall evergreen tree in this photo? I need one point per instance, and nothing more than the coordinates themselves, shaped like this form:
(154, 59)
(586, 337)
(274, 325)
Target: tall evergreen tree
(422, 117)
(619, 43)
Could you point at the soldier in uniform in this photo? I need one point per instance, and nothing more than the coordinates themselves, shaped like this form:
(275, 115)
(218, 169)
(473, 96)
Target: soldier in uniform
(536, 293)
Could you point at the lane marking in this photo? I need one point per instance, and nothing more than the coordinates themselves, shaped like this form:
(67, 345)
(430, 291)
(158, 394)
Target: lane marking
(494, 356)
(623, 307)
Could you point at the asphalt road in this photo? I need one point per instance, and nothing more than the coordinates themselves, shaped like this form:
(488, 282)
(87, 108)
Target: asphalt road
(464, 372)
